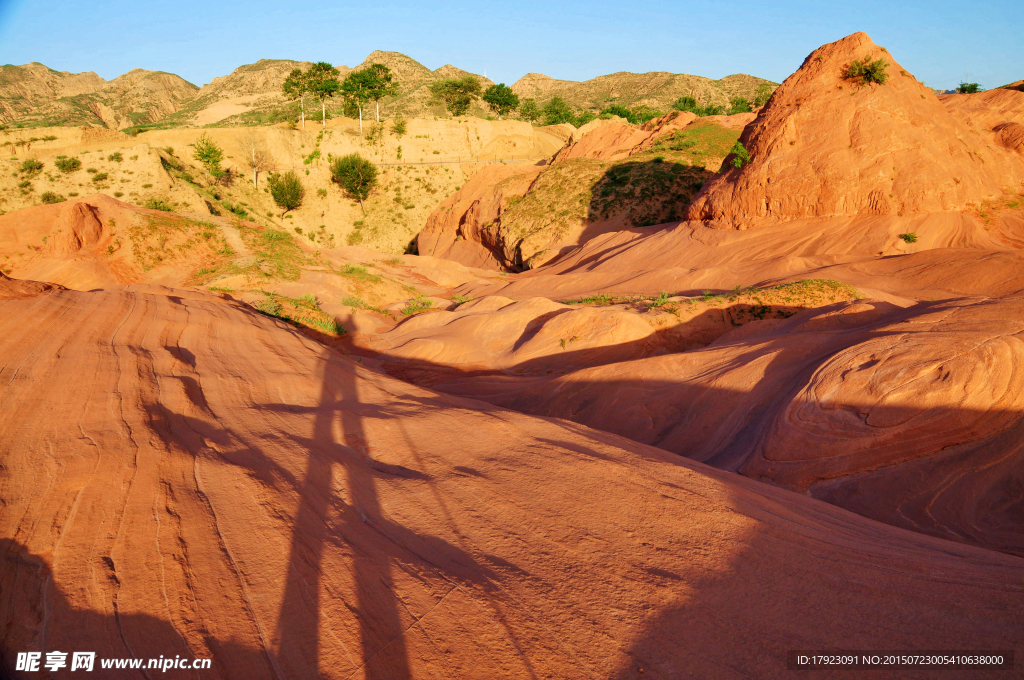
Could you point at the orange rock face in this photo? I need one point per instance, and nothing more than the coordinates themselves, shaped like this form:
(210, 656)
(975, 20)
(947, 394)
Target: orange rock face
(460, 228)
(184, 477)
(825, 145)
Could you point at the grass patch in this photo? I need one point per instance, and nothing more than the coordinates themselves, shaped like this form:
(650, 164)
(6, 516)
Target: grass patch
(163, 239)
(909, 238)
(416, 305)
(303, 312)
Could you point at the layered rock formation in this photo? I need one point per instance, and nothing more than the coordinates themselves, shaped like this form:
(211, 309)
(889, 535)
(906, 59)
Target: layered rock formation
(827, 145)
(182, 476)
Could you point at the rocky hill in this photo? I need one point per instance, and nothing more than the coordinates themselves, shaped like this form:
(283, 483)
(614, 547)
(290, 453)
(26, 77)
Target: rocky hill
(34, 95)
(658, 90)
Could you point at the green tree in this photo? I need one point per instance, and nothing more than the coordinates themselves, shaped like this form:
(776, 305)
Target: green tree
(209, 155)
(739, 105)
(557, 111)
(456, 93)
(620, 111)
(381, 83)
(356, 90)
(501, 99)
(529, 111)
(968, 88)
(286, 190)
(295, 87)
(322, 82)
(356, 175)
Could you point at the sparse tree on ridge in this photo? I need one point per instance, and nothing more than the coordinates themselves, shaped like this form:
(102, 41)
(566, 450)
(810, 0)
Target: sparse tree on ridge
(456, 93)
(295, 87)
(322, 83)
(255, 155)
(356, 89)
(356, 175)
(501, 99)
(380, 83)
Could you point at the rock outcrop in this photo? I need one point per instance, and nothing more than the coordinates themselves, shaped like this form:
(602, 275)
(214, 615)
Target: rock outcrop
(184, 477)
(826, 145)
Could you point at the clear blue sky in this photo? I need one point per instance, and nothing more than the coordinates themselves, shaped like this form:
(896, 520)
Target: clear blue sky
(940, 42)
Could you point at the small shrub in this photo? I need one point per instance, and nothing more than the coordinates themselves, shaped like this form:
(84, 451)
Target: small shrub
(31, 166)
(118, 194)
(398, 127)
(909, 238)
(116, 157)
(67, 165)
(740, 155)
(286, 190)
(968, 88)
(865, 71)
(147, 186)
(49, 197)
(158, 204)
(356, 175)
(322, 193)
(99, 177)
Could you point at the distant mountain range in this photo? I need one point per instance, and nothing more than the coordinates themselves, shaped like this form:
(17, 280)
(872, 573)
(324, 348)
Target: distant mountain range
(34, 95)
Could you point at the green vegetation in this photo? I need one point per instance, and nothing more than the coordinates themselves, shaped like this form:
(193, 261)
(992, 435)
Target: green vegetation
(763, 94)
(116, 157)
(295, 87)
(866, 71)
(157, 204)
(31, 166)
(529, 111)
(398, 127)
(321, 81)
(303, 312)
(209, 155)
(161, 239)
(637, 116)
(686, 103)
(416, 305)
(286, 190)
(739, 105)
(49, 197)
(356, 271)
(501, 99)
(457, 94)
(739, 155)
(356, 175)
(67, 165)
(380, 84)
(909, 238)
(99, 177)
(968, 88)
(557, 111)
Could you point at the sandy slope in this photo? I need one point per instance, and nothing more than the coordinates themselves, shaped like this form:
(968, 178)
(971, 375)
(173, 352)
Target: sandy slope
(181, 476)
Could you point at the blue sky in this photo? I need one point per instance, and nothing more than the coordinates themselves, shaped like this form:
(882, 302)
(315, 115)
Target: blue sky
(941, 42)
